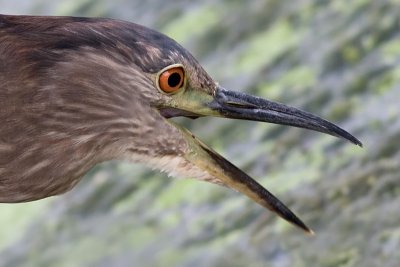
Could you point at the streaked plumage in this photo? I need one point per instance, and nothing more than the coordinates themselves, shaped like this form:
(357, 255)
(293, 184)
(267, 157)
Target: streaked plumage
(77, 91)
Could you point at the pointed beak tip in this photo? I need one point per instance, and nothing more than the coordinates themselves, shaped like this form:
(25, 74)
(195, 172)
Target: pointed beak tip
(353, 140)
(358, 143)
(298, 223)
(310, 232)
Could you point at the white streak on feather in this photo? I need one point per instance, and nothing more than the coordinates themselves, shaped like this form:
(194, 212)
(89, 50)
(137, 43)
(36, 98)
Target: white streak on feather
(175, 166)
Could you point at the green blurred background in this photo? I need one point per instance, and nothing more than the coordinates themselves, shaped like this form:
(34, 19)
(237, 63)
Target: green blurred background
(338, 59)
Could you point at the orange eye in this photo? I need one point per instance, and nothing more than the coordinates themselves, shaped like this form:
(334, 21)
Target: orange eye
(171, 80)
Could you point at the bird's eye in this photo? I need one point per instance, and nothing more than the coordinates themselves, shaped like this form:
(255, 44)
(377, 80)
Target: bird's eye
(172, 79)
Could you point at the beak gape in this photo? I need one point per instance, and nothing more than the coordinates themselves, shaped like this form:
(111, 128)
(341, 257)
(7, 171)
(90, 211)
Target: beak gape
(237, 105)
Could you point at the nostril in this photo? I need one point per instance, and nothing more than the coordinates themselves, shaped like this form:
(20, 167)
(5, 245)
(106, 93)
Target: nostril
(241, 105)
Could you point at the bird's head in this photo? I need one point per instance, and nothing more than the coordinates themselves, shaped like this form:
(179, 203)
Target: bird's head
(146, 77)
(181, 87)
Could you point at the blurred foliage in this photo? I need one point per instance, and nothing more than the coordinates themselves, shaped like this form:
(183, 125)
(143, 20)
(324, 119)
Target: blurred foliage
(339, 59)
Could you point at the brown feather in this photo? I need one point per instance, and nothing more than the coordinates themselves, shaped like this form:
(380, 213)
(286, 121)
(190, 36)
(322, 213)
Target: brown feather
(75, 92)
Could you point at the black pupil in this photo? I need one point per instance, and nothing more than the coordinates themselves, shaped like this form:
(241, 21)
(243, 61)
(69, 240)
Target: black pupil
(174, 79)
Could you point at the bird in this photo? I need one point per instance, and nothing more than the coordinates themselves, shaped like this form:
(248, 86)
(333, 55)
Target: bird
(76, 92)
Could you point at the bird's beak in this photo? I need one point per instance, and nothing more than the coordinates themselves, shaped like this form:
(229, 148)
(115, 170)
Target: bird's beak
(216, 169)
(237, 105)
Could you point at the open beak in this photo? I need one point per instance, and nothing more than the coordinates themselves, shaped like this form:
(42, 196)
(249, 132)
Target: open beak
(236, 105)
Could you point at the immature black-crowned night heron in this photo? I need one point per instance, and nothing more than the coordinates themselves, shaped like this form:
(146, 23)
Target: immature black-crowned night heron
(79, 91)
